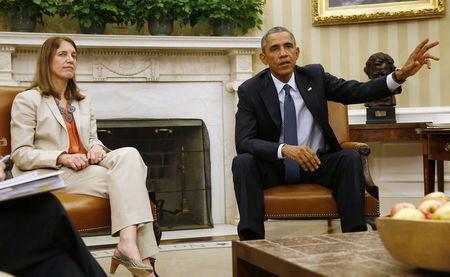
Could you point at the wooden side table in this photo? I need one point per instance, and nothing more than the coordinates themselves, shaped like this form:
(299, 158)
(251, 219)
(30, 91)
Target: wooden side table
(394, 132)
(435, 147)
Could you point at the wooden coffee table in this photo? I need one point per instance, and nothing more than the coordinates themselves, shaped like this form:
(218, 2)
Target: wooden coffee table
(349, 254)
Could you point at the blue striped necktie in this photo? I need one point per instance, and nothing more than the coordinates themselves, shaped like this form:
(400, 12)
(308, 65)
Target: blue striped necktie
(292, 168)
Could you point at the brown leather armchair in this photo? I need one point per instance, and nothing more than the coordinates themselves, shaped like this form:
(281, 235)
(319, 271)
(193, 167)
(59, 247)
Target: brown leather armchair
(89, 214)
(315, 201)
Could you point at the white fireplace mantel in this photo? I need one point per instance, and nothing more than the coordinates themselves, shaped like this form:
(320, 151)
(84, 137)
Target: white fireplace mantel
(110, 49)
(162, 77)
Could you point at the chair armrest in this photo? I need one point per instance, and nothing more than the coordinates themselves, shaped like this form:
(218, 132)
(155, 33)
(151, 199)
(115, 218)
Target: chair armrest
(364, 151)
(361, 147)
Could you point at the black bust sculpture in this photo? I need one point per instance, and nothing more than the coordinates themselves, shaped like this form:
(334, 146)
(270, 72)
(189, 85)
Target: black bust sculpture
(380, 64)
(381, 110)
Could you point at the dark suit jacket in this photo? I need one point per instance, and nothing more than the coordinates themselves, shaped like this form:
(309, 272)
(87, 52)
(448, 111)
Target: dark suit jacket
(258, 119)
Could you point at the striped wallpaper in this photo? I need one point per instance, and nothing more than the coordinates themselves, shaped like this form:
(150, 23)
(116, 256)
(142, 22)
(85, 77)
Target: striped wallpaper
(344, 49)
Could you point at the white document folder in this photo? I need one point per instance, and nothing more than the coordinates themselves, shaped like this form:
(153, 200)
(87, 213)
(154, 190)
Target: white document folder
(29, 184)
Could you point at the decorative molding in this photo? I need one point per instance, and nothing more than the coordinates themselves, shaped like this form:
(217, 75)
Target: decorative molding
(241, 67)
(26, 51)
(240, 52)
(6, 64)
(7, 48)
(187, 53)
(124, 68)
(232, 86)
(135, 42)
(125, 65)
(122, 52)
(5, 61)
(403, 115)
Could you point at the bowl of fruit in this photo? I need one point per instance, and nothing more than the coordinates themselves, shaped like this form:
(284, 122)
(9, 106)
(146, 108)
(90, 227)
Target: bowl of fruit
(419, 236)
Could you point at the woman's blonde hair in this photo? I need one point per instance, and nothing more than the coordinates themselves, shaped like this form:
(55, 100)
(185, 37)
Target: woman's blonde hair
(42, 75)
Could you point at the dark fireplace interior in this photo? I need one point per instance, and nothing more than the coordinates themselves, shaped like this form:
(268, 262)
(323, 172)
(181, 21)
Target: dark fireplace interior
(177, 154)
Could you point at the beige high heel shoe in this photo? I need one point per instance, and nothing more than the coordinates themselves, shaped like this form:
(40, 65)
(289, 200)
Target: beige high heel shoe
(135, 266)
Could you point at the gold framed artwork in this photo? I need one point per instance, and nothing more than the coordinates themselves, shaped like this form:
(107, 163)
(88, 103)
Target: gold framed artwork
(332, 12)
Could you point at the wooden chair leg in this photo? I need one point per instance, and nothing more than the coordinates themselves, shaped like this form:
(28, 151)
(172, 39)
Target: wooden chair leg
(329, 227)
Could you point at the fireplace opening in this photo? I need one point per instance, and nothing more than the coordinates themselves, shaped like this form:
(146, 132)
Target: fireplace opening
(177, 155)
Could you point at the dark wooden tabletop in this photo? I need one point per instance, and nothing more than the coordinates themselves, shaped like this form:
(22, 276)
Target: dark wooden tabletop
(423, 131)
(395, 132)
(342, 254)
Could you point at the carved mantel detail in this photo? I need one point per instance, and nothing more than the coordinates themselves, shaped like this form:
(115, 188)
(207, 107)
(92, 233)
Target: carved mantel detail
(130, 66)
(6, 65)
(241, 67)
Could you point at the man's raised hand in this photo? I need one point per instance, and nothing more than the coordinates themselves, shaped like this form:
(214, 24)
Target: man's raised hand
(417, 59)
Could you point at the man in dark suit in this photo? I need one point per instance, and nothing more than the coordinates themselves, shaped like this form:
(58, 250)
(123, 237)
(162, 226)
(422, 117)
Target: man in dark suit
(283, 135)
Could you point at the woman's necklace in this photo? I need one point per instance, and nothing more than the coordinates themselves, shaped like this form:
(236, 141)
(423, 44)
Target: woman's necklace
(69, 115)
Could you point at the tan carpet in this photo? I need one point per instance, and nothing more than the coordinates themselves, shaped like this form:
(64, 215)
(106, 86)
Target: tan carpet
(217, 262)
(199, 262)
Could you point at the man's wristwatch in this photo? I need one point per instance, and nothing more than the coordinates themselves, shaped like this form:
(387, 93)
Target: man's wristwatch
(397, 80)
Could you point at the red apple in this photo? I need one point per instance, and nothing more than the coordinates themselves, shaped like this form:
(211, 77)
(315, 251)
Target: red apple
(409, 213)
(437, 195)
(428, 207)
(397, 207)
(443, 213)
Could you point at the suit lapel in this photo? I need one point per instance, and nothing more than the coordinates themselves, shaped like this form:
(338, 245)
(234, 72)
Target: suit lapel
(50, 102)
(309, 96)
(270, 97)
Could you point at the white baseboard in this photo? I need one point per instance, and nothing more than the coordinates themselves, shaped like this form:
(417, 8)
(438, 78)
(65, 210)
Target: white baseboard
(217, 231)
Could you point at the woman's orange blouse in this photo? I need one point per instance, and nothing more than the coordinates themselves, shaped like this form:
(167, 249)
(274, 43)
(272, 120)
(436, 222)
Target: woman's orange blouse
(75, 146)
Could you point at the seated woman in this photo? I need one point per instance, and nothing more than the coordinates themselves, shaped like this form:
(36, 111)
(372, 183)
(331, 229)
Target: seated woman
(39, 239)
(53, 128)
